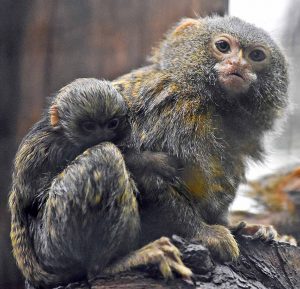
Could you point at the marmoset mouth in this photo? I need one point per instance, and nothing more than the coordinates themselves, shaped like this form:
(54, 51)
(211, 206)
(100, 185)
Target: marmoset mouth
(235, 78)
(234, 82)
(237, 74)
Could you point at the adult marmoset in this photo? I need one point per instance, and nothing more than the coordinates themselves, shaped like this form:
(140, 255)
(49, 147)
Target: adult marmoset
(73, 203)
(214, 87)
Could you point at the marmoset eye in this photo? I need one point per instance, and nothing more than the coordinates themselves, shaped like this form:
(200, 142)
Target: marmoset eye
(113, 123)
(88, 126)
(257, 55)
(223, 46)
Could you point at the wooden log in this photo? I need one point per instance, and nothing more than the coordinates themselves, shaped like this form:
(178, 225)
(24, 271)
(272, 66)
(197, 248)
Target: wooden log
(260, 266)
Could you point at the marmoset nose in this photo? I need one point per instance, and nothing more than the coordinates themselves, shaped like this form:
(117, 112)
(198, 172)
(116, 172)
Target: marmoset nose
(237, 59)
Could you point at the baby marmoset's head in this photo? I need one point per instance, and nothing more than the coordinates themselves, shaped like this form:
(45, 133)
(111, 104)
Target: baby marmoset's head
(89, 111)
(225, 57)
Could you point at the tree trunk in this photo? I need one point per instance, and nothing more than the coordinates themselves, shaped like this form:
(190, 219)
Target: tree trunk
(260, 266)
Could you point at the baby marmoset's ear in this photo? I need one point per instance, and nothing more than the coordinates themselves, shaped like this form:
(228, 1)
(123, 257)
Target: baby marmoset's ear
(54, 117)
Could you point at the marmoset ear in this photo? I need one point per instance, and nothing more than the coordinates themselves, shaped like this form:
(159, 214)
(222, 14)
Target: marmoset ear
(54, 119)
(185, 24)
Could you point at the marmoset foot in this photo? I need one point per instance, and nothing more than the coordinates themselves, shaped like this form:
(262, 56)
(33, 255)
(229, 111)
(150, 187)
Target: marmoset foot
(220, 242)
(257, 232)
(161, 252)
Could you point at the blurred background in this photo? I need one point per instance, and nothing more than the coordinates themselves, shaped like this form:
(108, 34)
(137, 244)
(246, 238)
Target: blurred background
(47, 44)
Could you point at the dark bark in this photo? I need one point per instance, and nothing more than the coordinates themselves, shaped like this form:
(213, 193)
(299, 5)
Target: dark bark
(261, 265)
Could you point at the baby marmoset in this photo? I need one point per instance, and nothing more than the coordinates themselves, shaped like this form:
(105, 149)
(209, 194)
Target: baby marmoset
(215, 86)
(84, 113)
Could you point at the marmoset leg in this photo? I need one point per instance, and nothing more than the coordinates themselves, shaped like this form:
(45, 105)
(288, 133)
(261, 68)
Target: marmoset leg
(91, 215)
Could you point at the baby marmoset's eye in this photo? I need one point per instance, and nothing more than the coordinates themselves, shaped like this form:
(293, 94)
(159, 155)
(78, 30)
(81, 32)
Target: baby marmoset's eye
(223, 46)
(113, 123)
(88, 126)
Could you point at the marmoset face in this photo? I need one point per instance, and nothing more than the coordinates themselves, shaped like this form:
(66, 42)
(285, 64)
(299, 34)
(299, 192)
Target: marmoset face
(90, 111)
(237, 66)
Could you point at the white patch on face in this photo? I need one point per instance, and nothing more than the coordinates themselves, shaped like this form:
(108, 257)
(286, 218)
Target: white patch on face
(233, 78)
